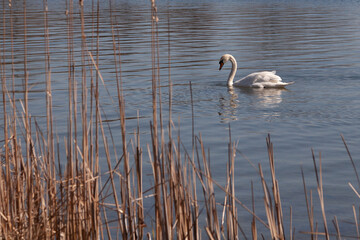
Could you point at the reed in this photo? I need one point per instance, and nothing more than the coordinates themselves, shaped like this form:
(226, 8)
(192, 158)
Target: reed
(41, 199)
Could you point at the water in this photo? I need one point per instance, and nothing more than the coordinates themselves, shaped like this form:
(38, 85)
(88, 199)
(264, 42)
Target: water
(317, 45)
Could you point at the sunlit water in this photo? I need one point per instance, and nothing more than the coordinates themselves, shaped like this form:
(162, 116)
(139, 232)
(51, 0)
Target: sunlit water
(317, 45)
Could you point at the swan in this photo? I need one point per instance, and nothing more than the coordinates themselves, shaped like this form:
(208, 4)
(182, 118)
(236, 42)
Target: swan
(255, 80)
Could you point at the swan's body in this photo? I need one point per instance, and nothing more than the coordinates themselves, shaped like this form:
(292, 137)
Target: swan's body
(256, 80)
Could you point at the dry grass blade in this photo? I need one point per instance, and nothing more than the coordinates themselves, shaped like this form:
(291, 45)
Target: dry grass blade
(290, 232)
(6, 183)
(352, 161)
(336, 225)
(213, 222)
(253, 222)
(273, 212)
(356, 221)
(309, 206)
(356, 192)
(320, 190)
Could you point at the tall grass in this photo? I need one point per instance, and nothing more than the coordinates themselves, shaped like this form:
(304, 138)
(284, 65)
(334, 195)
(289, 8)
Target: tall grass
(40, 199)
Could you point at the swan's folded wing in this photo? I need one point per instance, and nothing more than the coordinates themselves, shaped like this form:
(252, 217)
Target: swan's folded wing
(276, 85)
(267, 77)
(262, 79)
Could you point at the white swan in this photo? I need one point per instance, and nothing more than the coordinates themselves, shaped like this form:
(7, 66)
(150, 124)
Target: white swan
(256, 80)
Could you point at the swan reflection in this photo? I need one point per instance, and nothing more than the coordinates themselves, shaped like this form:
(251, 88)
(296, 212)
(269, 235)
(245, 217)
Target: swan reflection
(249, 97)
(265, 98)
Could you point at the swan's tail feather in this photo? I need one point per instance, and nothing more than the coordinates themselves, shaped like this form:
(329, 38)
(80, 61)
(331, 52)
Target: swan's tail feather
(274, 85)
(282, 84)
(289, 83)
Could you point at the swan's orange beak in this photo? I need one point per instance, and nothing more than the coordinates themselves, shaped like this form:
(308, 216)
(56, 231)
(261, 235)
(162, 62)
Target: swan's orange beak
(221, 65)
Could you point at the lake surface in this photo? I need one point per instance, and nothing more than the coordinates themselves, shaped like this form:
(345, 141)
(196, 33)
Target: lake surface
(315, 44)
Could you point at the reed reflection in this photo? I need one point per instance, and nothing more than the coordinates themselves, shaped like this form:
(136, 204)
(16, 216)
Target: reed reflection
(228, 106)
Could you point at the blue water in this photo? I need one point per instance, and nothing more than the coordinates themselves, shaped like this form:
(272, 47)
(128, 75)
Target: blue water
(317, 45)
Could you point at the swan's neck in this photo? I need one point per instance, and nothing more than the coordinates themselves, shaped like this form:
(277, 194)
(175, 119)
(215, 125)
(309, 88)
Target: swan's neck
(233, 72)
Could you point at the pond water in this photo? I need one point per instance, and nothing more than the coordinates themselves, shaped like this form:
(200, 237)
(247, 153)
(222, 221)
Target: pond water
(316, 44)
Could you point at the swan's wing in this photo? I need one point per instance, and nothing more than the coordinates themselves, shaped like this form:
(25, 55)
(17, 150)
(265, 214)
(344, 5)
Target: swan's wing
(262, 79)
(265, 77)
(259, 77)
(276, 85)
(247, 81)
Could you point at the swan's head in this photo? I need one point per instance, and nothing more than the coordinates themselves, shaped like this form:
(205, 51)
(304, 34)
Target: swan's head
(223, 60)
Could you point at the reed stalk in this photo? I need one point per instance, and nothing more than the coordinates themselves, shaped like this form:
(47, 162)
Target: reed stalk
(7, 184)
(320, 190)
(309, 206)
